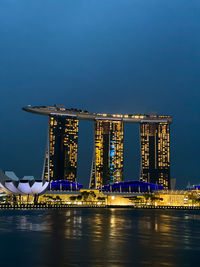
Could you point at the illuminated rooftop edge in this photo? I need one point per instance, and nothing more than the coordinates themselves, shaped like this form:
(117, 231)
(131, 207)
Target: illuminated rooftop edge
(85, 115)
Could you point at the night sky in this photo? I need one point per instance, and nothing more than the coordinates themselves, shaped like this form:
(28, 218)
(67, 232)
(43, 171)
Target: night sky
(112, 56)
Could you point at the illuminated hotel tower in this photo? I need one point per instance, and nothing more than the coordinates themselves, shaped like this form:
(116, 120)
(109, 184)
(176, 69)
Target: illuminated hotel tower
(155, 164)
(107, 165)
(61, 156)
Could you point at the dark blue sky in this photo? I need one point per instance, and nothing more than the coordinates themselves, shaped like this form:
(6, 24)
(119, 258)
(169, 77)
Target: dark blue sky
(114, 56)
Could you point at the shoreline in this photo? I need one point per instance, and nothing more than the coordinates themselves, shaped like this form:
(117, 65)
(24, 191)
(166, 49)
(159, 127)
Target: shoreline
(66, 206)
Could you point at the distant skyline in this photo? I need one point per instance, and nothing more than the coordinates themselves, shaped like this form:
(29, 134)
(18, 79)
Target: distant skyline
(102, 56)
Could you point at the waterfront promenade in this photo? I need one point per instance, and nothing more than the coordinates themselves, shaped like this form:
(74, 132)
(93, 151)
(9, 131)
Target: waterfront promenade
(8, 206)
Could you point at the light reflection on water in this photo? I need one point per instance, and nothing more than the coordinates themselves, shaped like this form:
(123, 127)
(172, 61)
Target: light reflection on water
(100, 237)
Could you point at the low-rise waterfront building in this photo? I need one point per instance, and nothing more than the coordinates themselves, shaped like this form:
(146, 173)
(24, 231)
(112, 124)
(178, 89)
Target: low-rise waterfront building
(69, 193)
(177, 198)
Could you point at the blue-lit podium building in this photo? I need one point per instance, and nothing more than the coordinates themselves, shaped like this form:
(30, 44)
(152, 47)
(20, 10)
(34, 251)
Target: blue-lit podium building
(132, 187)
(64, 185)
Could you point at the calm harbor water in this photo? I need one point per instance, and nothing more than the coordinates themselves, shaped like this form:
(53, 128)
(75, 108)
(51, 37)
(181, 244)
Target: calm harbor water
(99, 237)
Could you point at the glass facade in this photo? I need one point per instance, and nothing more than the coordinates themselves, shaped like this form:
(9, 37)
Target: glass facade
(155, 153)
(131, 187)
(61, 157)
(63, 185)
(46, 164)
(107, 165)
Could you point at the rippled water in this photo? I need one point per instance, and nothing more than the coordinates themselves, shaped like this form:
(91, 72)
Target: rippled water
(99, 237)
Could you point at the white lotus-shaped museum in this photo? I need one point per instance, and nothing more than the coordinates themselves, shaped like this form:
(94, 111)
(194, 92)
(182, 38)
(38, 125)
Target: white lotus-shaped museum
(20, 186)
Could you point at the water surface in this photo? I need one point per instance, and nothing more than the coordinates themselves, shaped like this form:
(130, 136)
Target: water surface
(99, 237)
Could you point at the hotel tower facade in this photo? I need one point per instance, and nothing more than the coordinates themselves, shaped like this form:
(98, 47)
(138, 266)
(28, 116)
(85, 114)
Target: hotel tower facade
(155, 153)
(62, 147)
(107, 163)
